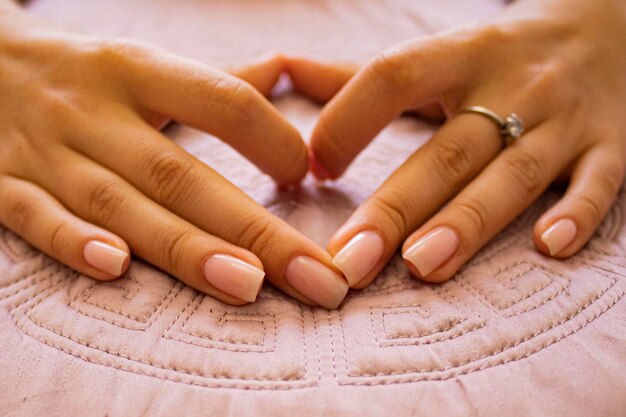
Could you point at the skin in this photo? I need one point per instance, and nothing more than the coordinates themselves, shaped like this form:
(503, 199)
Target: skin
(559, 67)
(83, 158)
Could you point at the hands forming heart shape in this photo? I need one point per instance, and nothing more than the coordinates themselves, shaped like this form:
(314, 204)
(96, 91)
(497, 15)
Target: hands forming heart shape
(87, 177)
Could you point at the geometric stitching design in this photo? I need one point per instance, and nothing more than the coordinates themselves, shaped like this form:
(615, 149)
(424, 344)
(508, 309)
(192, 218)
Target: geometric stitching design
(530, 287)
(403, 332)
(259, 330)
(181, 315)
(518, 288)
(208, 375)
(123, 298)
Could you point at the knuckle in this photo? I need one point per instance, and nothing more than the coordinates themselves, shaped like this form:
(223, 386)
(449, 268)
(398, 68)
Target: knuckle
(399, 211)
(488, 36)
(609, 179)
(173, 244)
(552, 81)
(65, 106)
(258, 234)
(104, 200)
(232, 99)
(20, 214)
(476, 211)
(525, 169)
(168, 176)
(59, 236)
(452, 157)
(111, 52)
(591, 208)
(391, 69)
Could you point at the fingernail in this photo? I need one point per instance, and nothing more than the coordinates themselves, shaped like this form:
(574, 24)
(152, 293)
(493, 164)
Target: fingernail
(359, 256)
(316, 281)
(233, 276)
(432, 250)
(559, 235)
(317, 169)
(105, 258)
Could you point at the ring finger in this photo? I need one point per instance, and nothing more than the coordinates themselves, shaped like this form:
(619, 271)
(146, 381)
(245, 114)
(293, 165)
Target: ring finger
(511, 183)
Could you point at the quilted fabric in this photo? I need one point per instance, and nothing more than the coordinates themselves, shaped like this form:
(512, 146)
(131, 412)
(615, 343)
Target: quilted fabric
(514, 333)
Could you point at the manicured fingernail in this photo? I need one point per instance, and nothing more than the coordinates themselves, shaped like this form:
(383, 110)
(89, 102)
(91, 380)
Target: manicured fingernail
(105, 258)
(432, 250)
(559, 235)
(359, 256)
(317, 169)
(316, 281)
(233, 276)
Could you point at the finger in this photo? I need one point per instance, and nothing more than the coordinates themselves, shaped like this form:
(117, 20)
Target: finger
(402, 78)
(200, 260)
(565, 228)
(503, 190)
(220, 104)
(42, 221)
(426, 181)
(190, 190)
(316, 80)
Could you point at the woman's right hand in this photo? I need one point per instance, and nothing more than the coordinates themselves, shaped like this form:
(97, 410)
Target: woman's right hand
(87, 178)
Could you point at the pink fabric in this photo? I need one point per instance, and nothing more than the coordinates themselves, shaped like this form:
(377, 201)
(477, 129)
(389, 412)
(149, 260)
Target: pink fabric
(513, 334)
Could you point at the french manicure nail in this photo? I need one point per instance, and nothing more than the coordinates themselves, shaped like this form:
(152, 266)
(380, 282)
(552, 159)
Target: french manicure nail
(233, 276)
(432, 250)
(559, 235)
(104, 257)
(359, 256)
(316, 281)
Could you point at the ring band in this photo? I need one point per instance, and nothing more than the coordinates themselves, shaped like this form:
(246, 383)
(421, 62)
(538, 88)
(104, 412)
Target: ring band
(511, 128)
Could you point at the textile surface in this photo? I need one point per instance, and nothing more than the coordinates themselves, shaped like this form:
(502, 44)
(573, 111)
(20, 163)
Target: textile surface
(514, 333)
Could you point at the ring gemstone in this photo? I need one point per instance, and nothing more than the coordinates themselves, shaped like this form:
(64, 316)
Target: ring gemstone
(513, 127)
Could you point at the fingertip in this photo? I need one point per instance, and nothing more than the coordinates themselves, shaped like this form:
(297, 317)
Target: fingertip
(556, 238)
(435, 277)
(109, 258)
(318, 171)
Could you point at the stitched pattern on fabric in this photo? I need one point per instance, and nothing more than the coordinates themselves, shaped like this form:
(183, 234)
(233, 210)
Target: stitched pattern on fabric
(292, 379)
(424, 322)
(266, 340)
(510, 300)
(586, 294)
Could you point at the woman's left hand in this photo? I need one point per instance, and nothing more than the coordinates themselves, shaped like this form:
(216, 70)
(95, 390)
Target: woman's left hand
(559, 67)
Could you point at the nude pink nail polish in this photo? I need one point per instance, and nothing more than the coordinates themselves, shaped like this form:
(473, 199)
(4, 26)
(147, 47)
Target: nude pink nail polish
(559, 235)
(359, 256)
(233, 276)
(104, 257)
(316, 281)
(432, 250)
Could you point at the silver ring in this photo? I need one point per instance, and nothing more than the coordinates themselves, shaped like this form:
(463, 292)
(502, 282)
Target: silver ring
(511, 128)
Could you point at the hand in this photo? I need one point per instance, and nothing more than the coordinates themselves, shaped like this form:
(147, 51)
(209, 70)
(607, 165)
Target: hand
(558, 67)
(86, 177)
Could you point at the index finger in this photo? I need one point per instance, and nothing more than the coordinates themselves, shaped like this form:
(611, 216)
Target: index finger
(220, 104)
(406, 76)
